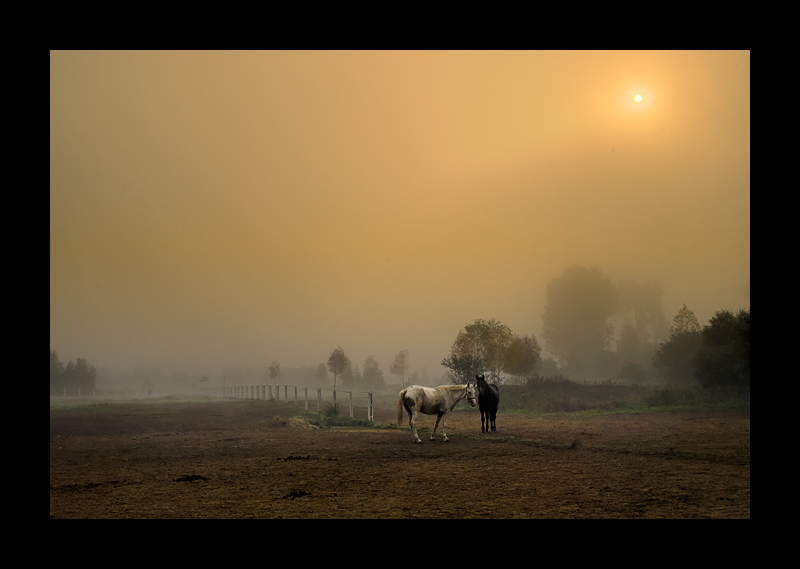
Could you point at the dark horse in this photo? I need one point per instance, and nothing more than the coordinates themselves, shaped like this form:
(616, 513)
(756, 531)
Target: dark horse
(488, 399)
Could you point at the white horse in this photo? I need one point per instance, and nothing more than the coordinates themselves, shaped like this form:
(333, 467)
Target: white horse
(432, 401)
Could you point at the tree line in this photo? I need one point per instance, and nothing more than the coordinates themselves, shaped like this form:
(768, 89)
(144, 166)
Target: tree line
(714, 355)
(75, 377)
(580, 306)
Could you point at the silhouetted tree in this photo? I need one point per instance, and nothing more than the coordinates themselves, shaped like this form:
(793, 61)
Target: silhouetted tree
(480, 347)
(684, 321)
(337, 362)
(56, 373)
(76, 377)
(522, 355)
(275, 371)
(373, 376)
(676, 355)
(640, 303)
(400, 366)
(322, 374)
(577, 307)
(724, 354)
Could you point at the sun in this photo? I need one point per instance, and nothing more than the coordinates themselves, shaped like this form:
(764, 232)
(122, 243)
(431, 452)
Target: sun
(637, 97)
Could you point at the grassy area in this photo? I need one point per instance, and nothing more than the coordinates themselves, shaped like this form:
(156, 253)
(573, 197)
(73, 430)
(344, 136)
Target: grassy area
(558, 394)
(168, 403)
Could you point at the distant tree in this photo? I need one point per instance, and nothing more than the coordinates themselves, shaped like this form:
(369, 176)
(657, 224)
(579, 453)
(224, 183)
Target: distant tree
(480, 347)
(350, 377)
(630, 345)
(400, 366)
(577, 307)
(337, 362)
(724, 354)
(684, 321)
(676, 355)
(56, 373)
(373, 376)
(275, 371)
(640, 303)
(522, 355)
(322, 374)
(463, 369)
(78, 377)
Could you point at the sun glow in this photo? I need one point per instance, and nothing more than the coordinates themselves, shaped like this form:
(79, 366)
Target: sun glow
(637, 97)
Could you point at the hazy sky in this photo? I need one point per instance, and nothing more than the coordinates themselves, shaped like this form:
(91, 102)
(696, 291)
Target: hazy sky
(231, 208)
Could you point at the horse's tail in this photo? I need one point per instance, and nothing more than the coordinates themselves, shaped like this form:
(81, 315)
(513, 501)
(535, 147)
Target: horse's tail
(400, 407)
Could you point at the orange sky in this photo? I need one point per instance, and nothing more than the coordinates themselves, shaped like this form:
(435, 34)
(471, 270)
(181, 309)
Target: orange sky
(212, 209)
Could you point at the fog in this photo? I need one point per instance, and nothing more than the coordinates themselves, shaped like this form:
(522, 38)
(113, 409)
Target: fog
(218, 209)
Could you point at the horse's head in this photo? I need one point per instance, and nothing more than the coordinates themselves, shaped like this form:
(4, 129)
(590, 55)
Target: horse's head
(471, 394)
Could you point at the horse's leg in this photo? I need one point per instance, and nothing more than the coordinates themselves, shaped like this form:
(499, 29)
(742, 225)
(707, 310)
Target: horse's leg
(444, 428)
(412, 422)
(482, 414)
(433, 432)
(494, 416)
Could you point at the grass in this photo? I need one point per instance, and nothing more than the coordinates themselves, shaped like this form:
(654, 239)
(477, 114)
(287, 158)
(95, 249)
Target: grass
(324, 420)
(561, 395)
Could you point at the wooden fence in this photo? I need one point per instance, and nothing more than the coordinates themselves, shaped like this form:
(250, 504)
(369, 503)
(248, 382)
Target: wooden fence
(290, 394)
(280, 393)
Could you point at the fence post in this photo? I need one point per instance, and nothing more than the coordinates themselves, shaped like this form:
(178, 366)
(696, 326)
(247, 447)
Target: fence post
(334, 401)
(295, 396)
(306, 398)
(369, 408)
(286, 394)
(350, 394)
(319, 398)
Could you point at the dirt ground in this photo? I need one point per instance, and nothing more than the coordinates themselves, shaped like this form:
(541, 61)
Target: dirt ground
(241, 459)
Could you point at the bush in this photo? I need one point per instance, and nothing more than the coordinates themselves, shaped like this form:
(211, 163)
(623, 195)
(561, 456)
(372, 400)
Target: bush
(560, 394)
(724, 354)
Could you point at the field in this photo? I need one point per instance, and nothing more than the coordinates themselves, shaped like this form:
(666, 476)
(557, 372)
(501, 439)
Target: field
(205, 458)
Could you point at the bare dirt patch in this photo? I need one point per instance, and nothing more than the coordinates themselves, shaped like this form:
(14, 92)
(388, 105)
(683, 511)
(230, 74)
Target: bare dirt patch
(242, 459)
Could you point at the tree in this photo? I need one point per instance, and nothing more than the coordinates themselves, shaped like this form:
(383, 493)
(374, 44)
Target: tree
(322, 374)
(373, 376)
(78, 377)
(480, 347)
(723, 357)
(522, 355)
(275, 371)
(400, 366)
(337, 362)
(630, 345)
(350, 377)
(684, 321)
(577, 307)
(463, 369)
(56, 373)
(640, 303)
(676, 355)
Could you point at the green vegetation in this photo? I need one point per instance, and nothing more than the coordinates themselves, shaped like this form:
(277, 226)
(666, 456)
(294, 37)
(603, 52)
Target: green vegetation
(559, 394)
(326, 419)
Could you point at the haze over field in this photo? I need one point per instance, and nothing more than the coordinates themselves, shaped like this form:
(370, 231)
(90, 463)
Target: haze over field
(233, 208)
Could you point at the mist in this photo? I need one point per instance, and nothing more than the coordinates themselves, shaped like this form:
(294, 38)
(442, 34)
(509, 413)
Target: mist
(210, 210)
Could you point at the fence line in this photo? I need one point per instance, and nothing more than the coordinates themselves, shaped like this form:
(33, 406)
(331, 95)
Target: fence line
(259, 392)
(265, 393)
